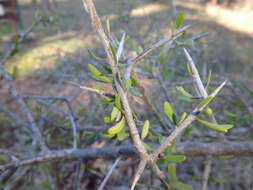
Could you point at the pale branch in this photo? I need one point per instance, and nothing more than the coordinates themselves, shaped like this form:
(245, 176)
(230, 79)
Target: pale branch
(191, 149)
(192, 117)
(101, 187)
(153, 47)
(139, 172)
(207, 171)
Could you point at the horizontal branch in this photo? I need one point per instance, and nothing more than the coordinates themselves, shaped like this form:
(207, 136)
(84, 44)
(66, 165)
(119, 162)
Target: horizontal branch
(192, 149)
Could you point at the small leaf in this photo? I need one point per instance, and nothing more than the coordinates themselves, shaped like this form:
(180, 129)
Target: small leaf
(122, 135)
(118, 127)
(168, 111)
(107, 119)
(217, 127)
(113, 53)
(117, 101)
(181, 186)
(145, 130)
(95, 57)
(182, 90)
(179, 19)
(171, 171)
(101, 78)
(108, 27)
(128, 84)
(114, 113)
(182, 118)
(209, 77)
(108, 136)
(174, 119)
(134, 92)
(161, 57)
(174, 158)
(189, 69)
(99, 87)
(205, 101)
(106, 68)
(15, 72)
(94, 70)
(134, 81)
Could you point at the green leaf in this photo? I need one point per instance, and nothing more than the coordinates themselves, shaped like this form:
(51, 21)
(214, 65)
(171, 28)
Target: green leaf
(134, 81)
(161, 57)
(205, 101)
(113, 53)
(174, 158)
(106, 68)
(122, 135)
(189, 69)
(128, 84)
(182, 118)
(174, 119)
(101, 78)
(209, 77)
(108, 136)
(182, 91)
(117, 101)
(94, 70)
(168, 111)
(107, 119)
(99, 87)
(171, 171)
(179, 19)
(114, 113)
(148, 68)
(95, 57)
(15, 72)
(134, 92)
(118, 127)
(217, 127)
(181, 186)
(145, 130)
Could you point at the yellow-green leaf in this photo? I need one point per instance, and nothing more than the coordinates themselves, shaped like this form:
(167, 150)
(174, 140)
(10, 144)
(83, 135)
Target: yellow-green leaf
(209, 78)
(217, 127)
(168, 111)
(113, 53)
(15, 72)
(182, 90)
(94, 70)
(118, 127)
(114, 113)
(179, 19)
(174, 158)
(145, 130)
(182, 118)
(108, 28)
(205, 101)
(108, 136)
(147, 147)
(96, 57)
(171, 171)
(122, 135)
(117, 101)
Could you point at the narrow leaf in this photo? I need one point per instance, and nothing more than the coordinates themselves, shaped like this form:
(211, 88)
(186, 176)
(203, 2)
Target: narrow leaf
(113, 53)
(118, 127)
(117, 101)
(114, 113)
(96, 57)
(209, 77)
(108, 27)
(106, 68)
(179, 20)
(94, 70)
(217, 127)
(171, 171)
(174, 158)
(168, 111)
(205, 101)
(145, 130)
(182, 118)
